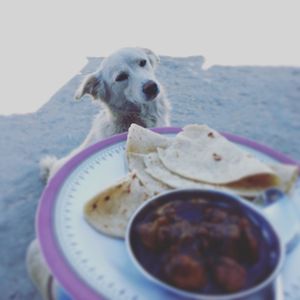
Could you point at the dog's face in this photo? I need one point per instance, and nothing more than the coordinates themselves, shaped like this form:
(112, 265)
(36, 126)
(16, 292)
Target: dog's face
(127, 75)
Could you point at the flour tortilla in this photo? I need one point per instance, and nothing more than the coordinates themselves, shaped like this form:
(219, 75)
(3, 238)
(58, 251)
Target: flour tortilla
(202, 154)
(153, 186)
(288, 175)
(110, 210)
(141, 140)
(154, 167)
(157, 170)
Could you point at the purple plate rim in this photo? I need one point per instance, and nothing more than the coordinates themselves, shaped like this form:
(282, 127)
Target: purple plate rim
(53, 255)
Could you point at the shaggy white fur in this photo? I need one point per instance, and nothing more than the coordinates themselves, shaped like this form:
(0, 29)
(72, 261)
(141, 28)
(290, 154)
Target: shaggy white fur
(126, 86)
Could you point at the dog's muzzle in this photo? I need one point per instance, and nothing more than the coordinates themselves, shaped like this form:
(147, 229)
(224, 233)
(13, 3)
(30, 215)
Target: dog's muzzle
(150, 89)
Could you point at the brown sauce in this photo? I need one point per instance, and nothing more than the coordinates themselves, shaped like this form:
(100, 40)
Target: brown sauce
(200, 246)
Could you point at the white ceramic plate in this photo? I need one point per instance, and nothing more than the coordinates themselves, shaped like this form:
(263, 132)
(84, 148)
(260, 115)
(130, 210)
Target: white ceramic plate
(89, 264)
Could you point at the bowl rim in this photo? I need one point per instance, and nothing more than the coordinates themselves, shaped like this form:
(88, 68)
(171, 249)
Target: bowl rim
(232, 296)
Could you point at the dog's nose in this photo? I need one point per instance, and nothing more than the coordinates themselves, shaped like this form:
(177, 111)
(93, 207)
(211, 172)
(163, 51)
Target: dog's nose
(150, 88)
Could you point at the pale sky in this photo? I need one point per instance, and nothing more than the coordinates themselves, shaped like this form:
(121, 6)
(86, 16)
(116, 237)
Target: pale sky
(45, 43)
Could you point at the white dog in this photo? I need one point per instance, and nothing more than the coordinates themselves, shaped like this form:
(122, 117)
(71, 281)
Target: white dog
(129, 93)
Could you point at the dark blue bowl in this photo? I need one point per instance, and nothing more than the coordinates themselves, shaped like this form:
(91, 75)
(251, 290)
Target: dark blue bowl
(271, 250)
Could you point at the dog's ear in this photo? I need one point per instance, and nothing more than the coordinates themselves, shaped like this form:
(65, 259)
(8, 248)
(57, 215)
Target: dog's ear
(92, 85)
(153, 58)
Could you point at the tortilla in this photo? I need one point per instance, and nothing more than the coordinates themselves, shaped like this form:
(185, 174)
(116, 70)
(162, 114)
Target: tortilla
(153, 186)
(151, 173)
(157, 170)
(202, 154)
(110, 210)
(288, 175)
(141, 140)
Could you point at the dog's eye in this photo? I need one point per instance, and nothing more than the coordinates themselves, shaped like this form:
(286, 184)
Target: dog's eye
(142, 63)
(122, 76)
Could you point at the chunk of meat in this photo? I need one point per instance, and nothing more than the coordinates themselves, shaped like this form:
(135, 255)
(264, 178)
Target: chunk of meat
(200, 246)
(148, 232)
(249, 246)
(223, 231)
(229, 275)
(177, 233)
(225, 240)
(215, 215)
(185, 272)
(168, 210)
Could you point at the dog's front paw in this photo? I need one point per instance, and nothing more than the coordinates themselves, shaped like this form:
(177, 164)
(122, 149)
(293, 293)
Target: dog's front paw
(47, 164)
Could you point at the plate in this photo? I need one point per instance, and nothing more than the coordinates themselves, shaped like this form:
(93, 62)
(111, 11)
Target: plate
(89, 264)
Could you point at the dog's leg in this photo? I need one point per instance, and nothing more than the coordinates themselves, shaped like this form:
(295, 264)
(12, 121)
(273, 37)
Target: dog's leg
(39, 272)
(100, 129)
(46, 164)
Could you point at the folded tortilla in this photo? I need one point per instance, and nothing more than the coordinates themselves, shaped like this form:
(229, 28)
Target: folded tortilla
(202, 154)
(110, 210)
(246, 188)
(152, 185)
(288, 175)
(142, 140)
(158, 163)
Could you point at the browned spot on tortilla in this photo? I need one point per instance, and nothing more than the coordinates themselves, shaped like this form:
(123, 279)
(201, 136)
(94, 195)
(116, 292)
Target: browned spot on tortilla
(258, 181)
(133, 176)
(119, 186)
(107, 198)
(94, 206)
(211, 135)
(217, 157)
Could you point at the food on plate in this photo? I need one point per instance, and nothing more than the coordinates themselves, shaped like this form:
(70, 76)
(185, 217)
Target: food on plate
(201, 245)
(155, 168)
(229, 274)
(248, 188)
(142, 140)
(288, 175)
(198, 157)
(153, 186)
(110, 210)
(185, 272)
(201, 153)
